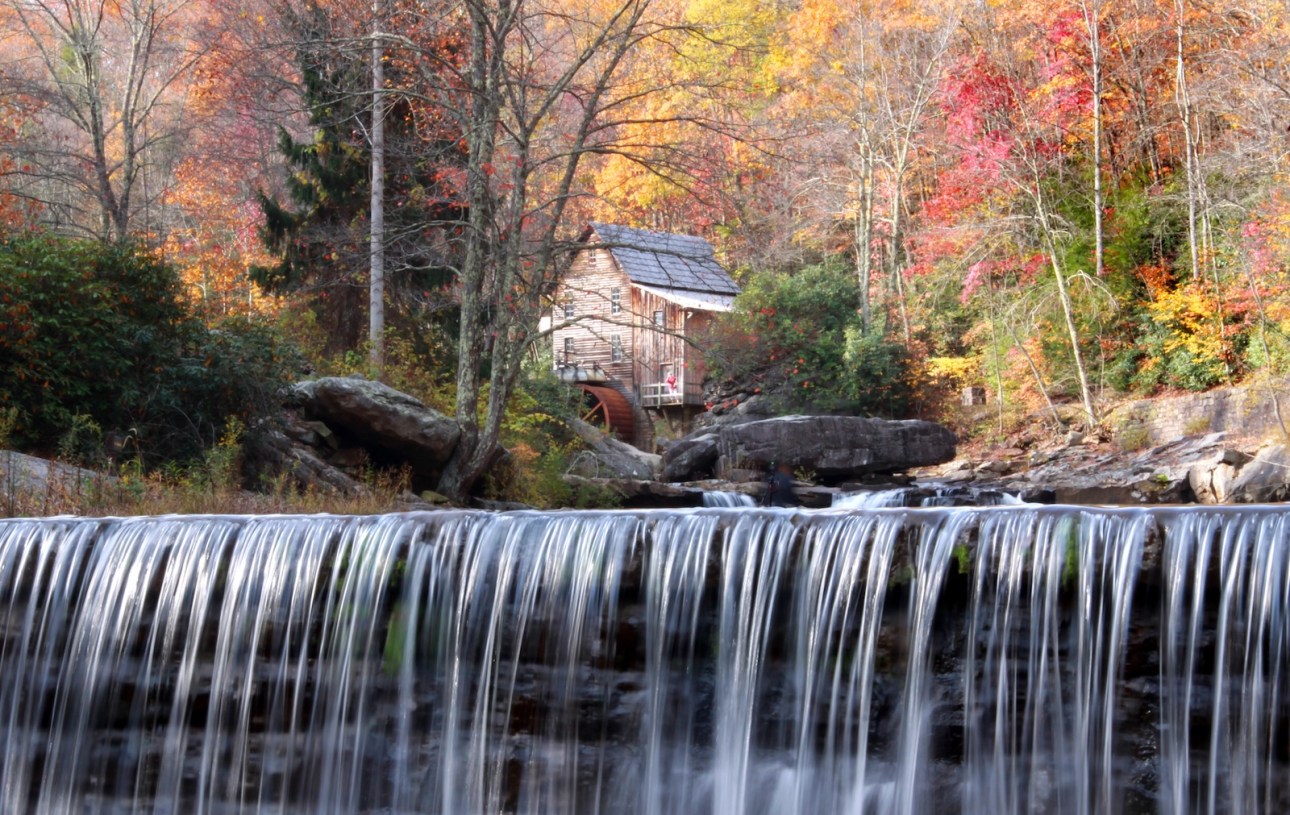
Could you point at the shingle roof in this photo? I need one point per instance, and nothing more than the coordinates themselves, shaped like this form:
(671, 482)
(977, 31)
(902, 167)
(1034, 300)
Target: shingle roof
(666, 259)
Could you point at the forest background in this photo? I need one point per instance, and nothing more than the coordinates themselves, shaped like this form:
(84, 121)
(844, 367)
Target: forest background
(1065, 202)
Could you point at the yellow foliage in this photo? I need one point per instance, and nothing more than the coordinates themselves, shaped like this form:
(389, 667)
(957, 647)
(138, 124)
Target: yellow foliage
(955, 372)
(1189, 314)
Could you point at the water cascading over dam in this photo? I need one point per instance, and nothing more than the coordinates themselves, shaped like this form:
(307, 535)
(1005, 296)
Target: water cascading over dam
(1000, 660)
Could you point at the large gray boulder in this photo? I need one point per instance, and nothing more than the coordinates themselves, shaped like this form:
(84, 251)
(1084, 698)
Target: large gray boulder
(693, 457)
(833, 447)
(607, 457)
(388, 422)
(1265, 479)
(24, 474)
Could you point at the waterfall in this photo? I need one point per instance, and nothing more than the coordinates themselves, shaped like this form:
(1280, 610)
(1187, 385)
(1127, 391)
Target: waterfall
(717, 498)
(999, 660)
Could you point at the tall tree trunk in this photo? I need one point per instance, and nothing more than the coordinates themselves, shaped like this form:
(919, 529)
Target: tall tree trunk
(376, 301)
(1093, 24)
(896, 250)
(1198, 235)
(1183, 101)
(1063, 294)
(864, 237)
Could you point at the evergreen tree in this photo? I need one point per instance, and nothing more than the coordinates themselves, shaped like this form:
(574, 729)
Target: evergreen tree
(321, 234)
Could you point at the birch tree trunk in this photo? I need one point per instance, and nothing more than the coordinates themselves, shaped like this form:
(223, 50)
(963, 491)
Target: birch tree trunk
(1093, 25)
(1063, 294)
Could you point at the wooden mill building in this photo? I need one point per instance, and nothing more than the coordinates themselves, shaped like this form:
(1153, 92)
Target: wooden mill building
(622, 315)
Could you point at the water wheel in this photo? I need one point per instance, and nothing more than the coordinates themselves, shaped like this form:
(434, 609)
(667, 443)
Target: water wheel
(608, 409)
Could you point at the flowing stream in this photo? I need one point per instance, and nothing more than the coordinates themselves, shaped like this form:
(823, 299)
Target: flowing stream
(1000, 660)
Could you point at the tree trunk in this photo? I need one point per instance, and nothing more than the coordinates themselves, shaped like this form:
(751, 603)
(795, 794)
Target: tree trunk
(1198, 236)
(896, 249)
(1093, 24)
(481, 138)
(376, 301)
(864, 238)
(1183, 100)
(1068, 308)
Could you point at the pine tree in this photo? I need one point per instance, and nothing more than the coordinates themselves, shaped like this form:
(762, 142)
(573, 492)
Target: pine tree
(321, 233)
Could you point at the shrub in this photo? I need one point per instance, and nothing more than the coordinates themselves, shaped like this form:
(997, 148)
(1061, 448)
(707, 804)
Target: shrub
(797, 336)
(97, 335)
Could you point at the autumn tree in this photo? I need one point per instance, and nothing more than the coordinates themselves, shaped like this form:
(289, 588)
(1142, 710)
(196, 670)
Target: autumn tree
(868, 74)
(540, 89)
(106, 80)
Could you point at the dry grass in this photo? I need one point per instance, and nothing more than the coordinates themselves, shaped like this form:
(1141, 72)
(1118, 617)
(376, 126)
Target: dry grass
(155, 494)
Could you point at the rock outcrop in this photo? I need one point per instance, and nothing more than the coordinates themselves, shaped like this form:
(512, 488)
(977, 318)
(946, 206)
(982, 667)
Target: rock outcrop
(1207, 469)
(1265, 478)
(834, 448)
(335, 430)
(607, 457)
(21, 473)
(387, 422)
(693, 457)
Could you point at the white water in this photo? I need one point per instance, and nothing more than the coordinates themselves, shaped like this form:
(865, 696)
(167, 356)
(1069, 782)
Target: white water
(717, 499)
(1001, 661)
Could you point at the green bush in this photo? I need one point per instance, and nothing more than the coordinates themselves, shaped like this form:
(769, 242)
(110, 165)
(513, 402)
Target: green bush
(97, 335)
(798, 337)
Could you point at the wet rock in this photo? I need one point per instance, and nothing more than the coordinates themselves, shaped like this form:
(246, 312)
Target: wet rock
(641, 493)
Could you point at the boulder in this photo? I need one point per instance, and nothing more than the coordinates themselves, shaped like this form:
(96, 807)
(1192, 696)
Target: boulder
(1265, 479)
(20, 473)
(1212, 478)
(273, 453)
(835, 447)
(392, 424)
(693, 458)
(607, 457)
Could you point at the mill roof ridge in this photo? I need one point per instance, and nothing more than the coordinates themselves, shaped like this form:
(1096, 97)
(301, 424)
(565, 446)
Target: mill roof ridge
(665, 259)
